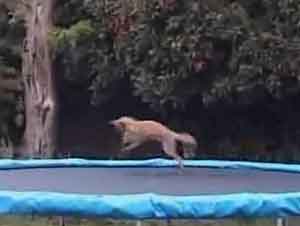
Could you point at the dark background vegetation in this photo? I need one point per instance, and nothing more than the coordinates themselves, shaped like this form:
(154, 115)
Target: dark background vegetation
(226, 71)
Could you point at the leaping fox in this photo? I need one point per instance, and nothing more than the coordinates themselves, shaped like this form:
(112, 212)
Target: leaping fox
(135, 132)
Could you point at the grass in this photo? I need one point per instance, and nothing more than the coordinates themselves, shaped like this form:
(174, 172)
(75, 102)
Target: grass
(56, 221)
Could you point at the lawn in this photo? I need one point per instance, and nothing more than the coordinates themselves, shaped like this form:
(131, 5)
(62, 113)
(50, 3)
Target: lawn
(55, 221)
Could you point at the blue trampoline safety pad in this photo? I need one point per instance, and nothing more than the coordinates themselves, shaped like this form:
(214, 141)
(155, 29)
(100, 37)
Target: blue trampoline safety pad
(149, 189)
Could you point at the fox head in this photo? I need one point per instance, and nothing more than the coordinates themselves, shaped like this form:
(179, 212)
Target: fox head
(121, 123)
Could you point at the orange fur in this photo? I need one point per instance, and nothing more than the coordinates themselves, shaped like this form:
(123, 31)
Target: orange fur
(135, 132)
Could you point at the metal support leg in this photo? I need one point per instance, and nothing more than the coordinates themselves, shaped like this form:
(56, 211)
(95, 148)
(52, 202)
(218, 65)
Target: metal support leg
(139, 223)
(168, 222)
(62, 221)
(32, 216)
(282, 222)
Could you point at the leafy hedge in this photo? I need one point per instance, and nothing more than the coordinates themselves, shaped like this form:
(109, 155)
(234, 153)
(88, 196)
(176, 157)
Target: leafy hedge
(11, 96)
(174, 50)
(177, 53)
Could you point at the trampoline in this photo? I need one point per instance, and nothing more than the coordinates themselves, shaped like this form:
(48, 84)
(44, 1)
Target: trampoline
(149, 189)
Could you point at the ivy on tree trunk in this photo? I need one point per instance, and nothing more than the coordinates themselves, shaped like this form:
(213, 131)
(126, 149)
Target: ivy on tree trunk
(40, 139)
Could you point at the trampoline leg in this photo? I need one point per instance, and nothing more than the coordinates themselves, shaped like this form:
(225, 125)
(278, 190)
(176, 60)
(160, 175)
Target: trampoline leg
(169, 222)
(281, 222)
(139, 223)
(62, 221)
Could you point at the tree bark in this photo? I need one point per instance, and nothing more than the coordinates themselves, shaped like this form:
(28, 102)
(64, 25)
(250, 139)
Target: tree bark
(41, 109)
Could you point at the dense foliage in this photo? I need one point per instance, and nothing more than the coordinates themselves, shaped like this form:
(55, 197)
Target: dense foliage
(172, 53)
(237, 51)
(11, 102)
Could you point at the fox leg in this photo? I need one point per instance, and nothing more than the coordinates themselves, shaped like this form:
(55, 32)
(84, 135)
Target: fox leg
(130, 146)
(169, 147)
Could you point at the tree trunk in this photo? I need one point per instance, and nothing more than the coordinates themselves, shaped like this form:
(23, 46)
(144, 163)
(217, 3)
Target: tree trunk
(40, 136)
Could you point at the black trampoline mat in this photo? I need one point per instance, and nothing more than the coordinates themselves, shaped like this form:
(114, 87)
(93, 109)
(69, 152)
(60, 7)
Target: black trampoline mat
(167, 181)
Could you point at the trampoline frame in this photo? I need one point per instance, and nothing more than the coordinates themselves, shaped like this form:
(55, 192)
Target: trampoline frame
(150, 205)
